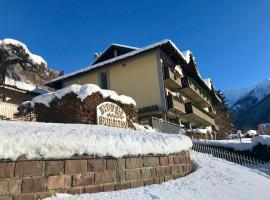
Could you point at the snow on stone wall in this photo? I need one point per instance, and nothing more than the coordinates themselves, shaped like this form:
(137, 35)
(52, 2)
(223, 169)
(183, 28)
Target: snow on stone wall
(52, 140)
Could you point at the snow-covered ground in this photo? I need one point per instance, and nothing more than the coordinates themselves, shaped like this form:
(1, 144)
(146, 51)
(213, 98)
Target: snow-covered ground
(52, 140)
(215, 179)
(239, 145)
(232, 143)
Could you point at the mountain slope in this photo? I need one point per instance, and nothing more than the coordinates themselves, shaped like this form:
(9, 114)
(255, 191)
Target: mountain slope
(232, 95)
(258, 113)
(251, 105)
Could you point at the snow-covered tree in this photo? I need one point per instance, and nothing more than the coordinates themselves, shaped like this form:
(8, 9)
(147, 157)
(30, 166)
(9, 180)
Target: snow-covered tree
(224, 117)
(16, 60)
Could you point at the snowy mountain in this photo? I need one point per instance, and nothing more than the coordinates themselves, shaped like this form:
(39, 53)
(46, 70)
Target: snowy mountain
(232, 95)
(245, 104)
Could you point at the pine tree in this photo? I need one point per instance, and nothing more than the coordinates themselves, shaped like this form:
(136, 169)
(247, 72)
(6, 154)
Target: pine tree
(224, 117)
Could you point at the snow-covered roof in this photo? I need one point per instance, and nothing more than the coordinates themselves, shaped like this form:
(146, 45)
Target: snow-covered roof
(123, 45)
(82, 91)
(187, 55)
(118, 58)
(208, 82)
(20, 85)
(36, 59)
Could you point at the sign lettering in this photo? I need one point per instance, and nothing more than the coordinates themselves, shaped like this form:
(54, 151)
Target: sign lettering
(110, 114)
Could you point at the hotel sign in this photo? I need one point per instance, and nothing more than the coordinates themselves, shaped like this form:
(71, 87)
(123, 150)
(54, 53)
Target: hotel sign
(110, 114)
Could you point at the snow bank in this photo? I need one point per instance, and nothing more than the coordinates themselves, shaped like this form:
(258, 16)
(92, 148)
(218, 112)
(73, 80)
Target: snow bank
(214, 179)
(251, 133)
(261, 139)
(236, 144)
(34, 58)
(51, 140)
(82, 91)
(201, 130)
(146, 128)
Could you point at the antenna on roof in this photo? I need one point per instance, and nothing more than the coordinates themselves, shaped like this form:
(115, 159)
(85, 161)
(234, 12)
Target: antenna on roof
(96, 56)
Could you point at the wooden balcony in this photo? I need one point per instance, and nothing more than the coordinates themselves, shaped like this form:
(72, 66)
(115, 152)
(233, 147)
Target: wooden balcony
(175, 104)
(192, 90)
(198, 116)
(171, 81)
(7, 110)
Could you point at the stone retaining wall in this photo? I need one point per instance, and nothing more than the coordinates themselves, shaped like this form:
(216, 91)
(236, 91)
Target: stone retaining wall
(36, 179)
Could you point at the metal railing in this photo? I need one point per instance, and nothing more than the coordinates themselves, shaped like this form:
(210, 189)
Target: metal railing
(230, 156)
(164, 126)
(7, 110)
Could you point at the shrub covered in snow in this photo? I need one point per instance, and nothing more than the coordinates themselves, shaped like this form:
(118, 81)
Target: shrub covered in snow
(78, 104)
(251, 133)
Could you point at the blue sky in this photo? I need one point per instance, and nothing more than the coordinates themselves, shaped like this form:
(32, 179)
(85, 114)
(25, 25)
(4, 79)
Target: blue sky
(230, 39)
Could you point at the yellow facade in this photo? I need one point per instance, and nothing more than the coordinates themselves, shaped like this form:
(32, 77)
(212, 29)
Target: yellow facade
(136, 77)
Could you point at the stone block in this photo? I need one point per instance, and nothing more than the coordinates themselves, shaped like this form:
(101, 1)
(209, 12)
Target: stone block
(121, 176)
(75, 166)
(138, 183)
(167, 171)
(83, 179)
(153, 172)
(96, 165)
(76, 190)
(175, 169)
(133, 174)
(29, 168)
(5, 198)
(105, 177)
(122, 186)
(59, 182)
(34, 184)
(146, 173)
(111, 164)
(133, 163)
(171, 160)
(156, 180)
(163, 161)
(54, 167)
(10, 187)
(160, 171)
(93, 189)
(176, 160)
(25, 197)
(170, 177)
(7, 170)
(108, 187)
(148, 181)
(150, 161)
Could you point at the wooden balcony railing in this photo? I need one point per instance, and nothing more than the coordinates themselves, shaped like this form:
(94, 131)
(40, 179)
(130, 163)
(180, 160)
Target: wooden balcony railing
(174, 103)
(200, 115)
(195, 92)
(171, 80)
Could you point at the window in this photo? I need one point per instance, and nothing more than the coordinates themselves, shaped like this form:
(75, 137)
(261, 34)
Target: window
(103, 80)
(2, 98)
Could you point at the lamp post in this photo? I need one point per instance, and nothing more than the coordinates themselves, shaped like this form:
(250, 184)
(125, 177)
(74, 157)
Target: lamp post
(239, 132)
